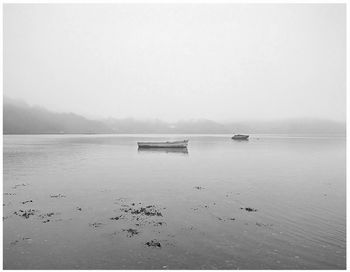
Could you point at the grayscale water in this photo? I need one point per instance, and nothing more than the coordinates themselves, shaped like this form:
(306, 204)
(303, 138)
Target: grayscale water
(296, 184)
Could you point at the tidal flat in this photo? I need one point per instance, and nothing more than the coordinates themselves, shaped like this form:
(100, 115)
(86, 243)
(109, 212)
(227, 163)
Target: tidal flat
(97, 202)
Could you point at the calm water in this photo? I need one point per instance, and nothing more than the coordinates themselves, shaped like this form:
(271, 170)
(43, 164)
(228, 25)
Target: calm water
(297, 185)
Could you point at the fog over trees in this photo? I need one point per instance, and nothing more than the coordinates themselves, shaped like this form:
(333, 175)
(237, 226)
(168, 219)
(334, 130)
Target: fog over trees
(21, 118)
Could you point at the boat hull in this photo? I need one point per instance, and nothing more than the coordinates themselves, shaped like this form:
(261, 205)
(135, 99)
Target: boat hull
(175, 144)
(240, 137)
(179, 150)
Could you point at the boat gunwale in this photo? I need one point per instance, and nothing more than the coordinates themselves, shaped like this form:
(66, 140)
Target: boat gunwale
(162, 143)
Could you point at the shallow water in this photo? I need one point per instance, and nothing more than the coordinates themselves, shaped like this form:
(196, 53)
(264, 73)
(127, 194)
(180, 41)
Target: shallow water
(296, 184)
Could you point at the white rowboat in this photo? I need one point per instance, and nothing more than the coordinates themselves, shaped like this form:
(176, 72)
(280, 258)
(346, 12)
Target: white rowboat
(174, 144)
(179, 150)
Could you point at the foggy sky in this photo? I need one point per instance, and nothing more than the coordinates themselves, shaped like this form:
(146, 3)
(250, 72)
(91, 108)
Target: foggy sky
(166, 61)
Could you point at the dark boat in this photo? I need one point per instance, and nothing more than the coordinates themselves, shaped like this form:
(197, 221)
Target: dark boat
(240, 137)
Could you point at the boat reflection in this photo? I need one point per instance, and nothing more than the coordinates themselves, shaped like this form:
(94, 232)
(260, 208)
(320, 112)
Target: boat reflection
(241, 140)
(179, 150)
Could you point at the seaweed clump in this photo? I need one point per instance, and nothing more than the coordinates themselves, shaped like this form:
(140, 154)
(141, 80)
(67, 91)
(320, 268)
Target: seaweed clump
(131, 232)
(249, 209)
(25, 213)
(153, 243)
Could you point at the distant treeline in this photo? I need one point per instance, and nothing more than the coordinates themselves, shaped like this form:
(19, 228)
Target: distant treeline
(20, 118)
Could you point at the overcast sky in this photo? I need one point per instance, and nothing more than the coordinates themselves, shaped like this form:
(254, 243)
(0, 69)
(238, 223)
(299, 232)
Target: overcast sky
(213, 61)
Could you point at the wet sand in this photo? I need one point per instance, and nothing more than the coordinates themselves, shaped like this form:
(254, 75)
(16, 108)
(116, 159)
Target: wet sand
(98, 203)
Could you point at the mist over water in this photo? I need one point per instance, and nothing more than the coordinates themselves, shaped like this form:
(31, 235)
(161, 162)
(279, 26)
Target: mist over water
(295, 187)
(179, 61)
(94, 79)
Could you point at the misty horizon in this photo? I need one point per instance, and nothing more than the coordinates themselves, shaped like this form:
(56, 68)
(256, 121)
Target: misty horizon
(23, 103)
(226, 62)
(21, 118)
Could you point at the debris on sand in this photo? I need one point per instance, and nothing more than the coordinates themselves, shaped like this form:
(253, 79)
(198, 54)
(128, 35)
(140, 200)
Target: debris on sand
(79, 209)
(139, 214)
(19, 185)
(232, 219)
(28, 201)
(263, 225)
(131, 232)
(148, 211)
(46, 221)
(25, 213)
(159, 224)
(27, 239)
(249, 209)
(45, 215)
(57, 196)
(9, 194)
(14, 242)
(116, 218)
(95, 225)
(198, 187)
(153, 243)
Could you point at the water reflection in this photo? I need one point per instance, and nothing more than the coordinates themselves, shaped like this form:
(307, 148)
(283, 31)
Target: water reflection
(179, 150)
(203, 225)
(240, 139)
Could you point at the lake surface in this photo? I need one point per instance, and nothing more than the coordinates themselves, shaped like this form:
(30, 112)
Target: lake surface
(96, 202)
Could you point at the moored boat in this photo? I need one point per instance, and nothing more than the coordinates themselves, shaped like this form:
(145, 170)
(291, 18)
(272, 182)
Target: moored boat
(179, 150)
(240, 137)
(173, 144)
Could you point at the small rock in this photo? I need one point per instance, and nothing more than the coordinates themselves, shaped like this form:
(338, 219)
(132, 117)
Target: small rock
(95, 225)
